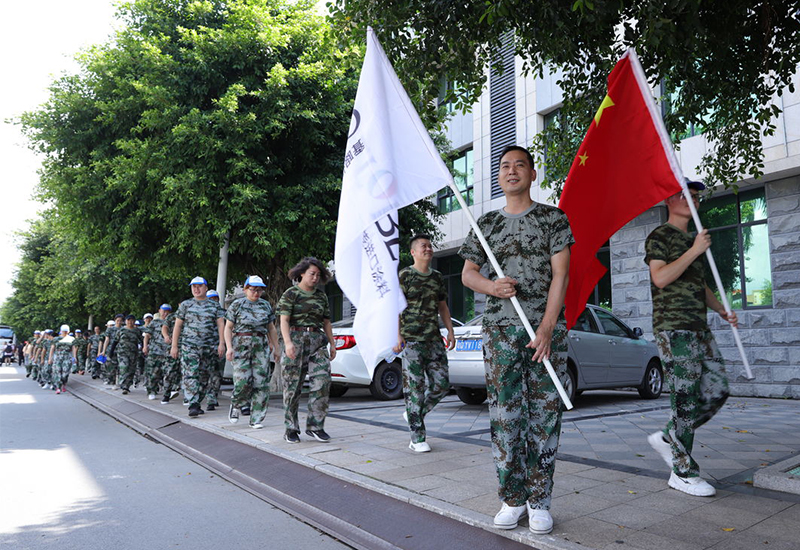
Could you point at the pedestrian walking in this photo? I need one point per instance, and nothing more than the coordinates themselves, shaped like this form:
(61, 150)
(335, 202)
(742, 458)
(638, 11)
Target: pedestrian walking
(33, 355)
(61, 358)
(251, 340)
(425, 380)
(215, 376)
(93, 350)
(199, 328)
(126, 346)
(111, 365)
(172, 367)
(531, 242)
(45, 368)
(308, 348)
(689, 354)
(81, 343)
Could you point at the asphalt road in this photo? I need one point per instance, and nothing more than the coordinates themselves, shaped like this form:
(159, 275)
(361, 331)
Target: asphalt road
(73, 478)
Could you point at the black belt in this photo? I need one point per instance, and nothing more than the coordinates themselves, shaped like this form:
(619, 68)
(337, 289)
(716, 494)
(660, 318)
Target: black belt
(249, 334)
(305, 329)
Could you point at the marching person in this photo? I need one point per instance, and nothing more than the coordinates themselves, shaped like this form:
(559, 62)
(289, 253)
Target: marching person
(80, 352)
(61, 358)
(425, 380)
(689, 353)
(45, 368)
(215, 376)
(308, 347)
(30, 348)
(251, 338)
(127, 341)
(112, 365)
(172, 367)
(154, 349)
(93, 350)
(532, 244)
(199, 328)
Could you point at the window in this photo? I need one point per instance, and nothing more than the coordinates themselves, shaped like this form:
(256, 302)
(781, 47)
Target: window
(601, 295)
(446, 90)
(463, 175)
(585, 322)
(740, 244)
(460, 299)
(611, 326)
(553, 118)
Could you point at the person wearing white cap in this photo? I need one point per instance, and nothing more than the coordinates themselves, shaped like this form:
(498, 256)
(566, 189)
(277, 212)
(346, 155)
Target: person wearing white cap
(155, 351)
(112, 365)
(81, 343)
(199, 328)
(61, 358)
(251, 338)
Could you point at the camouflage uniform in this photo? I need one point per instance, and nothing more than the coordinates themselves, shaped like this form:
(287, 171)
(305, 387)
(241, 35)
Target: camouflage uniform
(62, 360)
(695, 368)
(524, 406)
(198, 346)
(127, 351)
(80, 351)
(35, 361)
(251, 361)
(306, 310)
(425, 381)
(111, 366)
(45, 369)
(155, 361)
(92, 366)
(171, 367)
(215, 378)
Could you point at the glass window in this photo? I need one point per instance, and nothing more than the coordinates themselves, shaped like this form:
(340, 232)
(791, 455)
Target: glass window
(610, 325)
(601, 295)
(585, 322)
(737, 224)
(460, 299)
(463, 175)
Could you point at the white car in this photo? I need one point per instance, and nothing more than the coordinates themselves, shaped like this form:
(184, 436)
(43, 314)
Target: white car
(348, 368)
(603, 352)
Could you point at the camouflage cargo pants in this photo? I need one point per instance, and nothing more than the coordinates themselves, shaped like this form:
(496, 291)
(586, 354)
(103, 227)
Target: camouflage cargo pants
(698, 388)
(61, 368)
(524, 413)
(34, 370)
(80, 361)
(196, 365)
(111, 369)
(312, 359)
(251, 374)
(154, 371)
(139, 375)
(128, 361)
(172, 375)
(215, 382)
(425, 382)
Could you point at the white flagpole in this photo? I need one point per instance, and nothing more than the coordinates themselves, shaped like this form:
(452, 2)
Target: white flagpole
(712, 264)
(514, 300)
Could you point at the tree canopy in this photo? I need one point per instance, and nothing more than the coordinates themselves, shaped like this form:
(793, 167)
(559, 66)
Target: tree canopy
(721, 64)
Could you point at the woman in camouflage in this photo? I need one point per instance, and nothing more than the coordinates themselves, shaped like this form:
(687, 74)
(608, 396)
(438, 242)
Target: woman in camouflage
(308, 347)
(251, 338)
(62, 357)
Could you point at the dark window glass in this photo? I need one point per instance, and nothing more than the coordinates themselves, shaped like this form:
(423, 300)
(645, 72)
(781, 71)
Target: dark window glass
(460, 299)
(610, 325)
(585, 322)
(463, 175)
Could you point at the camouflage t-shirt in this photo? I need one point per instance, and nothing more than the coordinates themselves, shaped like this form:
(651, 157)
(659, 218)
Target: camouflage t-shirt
(523, 244)
(128, 340)
(248, 316)
(94, 343)
(80, 345)
(63, 347)
(199, 322)
(156, 345)
(419, 322)
(681, 305)
(110, 333)
(304, 309)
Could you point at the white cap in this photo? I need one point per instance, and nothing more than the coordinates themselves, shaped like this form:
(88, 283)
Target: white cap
(254, 280)
(110, 324)
(64, 328)
(198, 281)
(146, 315)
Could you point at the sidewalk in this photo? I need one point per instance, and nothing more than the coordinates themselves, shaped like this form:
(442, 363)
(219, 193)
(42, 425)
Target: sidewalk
(610, 487)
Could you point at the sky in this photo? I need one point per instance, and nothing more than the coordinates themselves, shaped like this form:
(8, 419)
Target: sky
(38, 41)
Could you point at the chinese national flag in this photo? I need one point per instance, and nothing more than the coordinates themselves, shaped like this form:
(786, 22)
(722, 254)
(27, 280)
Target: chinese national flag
(624, 166)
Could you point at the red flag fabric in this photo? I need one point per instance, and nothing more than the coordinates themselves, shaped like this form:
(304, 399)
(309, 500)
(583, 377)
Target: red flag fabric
(624, 166)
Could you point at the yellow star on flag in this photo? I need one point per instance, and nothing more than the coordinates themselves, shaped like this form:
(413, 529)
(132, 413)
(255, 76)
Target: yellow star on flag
(603, 106)
(583, 158)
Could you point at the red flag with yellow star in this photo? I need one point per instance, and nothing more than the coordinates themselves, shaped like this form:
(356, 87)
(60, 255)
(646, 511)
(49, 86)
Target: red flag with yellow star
(625, 165)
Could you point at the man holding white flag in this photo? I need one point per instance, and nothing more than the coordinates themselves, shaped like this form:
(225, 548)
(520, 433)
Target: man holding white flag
(379, 178)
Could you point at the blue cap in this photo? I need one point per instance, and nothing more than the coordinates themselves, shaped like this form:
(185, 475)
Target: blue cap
(212, 294)
(254, 280)
(78, 330)
(696, 185)
(198, 281)
(166, 307)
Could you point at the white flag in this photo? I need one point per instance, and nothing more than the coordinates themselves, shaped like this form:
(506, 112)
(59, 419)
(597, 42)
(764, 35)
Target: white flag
(390, 162)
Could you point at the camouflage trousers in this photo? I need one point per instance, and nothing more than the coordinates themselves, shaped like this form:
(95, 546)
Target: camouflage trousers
(79, 362)
(45, 370)
(215, 382)
(312, 359)
(128, 361)
(111, 369)
(92, 366)
(60, 370)
(698, 388)
(251, 373)
(28, 367)
(139, 375)
(34, 370)
(196, 365)
(155, 371)
(524, 413)
(425, 382)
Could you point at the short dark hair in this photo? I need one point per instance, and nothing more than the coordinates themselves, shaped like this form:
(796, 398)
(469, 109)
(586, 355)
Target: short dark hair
(417, 237)
(510, 148)
(130, 318)
(119, 316)
(302, 266)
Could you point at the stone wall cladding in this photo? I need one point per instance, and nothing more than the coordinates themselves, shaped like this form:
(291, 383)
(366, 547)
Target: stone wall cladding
(771, 337)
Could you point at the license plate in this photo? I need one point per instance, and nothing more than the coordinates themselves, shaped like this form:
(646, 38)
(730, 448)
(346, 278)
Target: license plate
(473, 344)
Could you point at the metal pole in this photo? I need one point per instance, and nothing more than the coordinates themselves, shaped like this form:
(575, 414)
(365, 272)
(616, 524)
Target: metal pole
(723, 298)
(514, 300)
(222, 269)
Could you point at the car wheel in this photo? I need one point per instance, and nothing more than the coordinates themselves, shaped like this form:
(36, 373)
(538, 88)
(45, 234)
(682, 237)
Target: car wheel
(570, 383)
(338, 390)
(472, 396)
(653, 381)
(387, 382)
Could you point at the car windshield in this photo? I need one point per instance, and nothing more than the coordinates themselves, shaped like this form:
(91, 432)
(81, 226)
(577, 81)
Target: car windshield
(6, 333)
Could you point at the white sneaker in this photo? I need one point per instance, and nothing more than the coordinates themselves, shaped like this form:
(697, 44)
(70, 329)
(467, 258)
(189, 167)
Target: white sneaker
(405, 416)
(256, 426)
(663, 448)
(421, 447)
(540, 522)
(695, 486)
(233, 414)
(174, 394)
(508, 516)
(151, 396)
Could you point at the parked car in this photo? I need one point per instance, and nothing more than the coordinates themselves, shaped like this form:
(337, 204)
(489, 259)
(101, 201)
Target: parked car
(603, 352)
(348, 368)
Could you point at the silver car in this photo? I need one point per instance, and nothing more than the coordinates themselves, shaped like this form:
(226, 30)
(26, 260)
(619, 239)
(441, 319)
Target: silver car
(603, 352)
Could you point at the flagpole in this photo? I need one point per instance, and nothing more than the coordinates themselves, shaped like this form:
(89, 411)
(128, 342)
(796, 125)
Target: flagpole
(712, 264)
(514, 301)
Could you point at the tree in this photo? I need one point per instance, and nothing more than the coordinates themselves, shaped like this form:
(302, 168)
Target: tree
(198, 120)
(721, 65)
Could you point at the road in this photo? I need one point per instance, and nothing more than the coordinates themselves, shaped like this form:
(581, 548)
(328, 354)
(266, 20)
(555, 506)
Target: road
(73, 478)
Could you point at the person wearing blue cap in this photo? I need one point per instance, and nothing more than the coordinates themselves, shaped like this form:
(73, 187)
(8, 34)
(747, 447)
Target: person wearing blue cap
(692, 361)
(172, 367)
(199, 328)
(251, 337)
(111, 366)
(127, 341)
